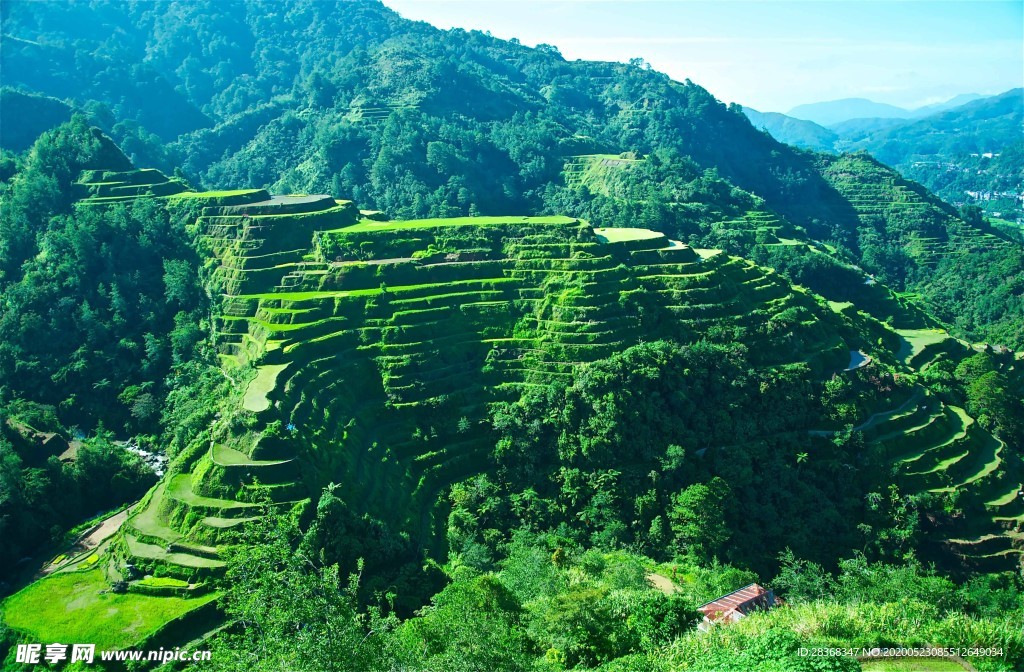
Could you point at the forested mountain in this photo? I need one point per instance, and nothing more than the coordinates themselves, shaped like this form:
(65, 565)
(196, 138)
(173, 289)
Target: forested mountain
(971, 154)
(405, 118)
(27, 116)
(553, 415)
(968, 154)
(468, 357)
(975, 127)
(982, 126)
(793, 131)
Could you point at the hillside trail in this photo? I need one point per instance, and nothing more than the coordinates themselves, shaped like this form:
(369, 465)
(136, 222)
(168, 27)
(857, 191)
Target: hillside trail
(874, 418)
(89, 541)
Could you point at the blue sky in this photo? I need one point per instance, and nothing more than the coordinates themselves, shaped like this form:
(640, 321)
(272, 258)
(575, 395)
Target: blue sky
(773, 54)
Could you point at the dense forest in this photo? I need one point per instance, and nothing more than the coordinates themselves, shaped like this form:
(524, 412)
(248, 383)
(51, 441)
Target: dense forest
(498, 442)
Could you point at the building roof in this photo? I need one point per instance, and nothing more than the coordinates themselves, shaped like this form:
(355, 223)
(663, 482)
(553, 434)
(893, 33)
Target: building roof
(739, 603)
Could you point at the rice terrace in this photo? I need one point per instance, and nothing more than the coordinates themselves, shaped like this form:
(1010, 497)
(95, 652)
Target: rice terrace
(332, 340)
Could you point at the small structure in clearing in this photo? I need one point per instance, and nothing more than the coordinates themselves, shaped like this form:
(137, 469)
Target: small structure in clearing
(736, 605)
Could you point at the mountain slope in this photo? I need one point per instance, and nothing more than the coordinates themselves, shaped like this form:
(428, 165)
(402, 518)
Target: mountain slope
(415, 121)
(985, 125)
(955, 101)
(514, 105)
(792, 131)
(835, 113)
(27, 116)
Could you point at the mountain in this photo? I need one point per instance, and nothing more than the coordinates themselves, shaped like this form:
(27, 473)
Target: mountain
(837, 111)
(27, 116)
(984, 125)
(853, 130)
(955, 101)
(492, 335)
(968, 154)
(965, 124)
(434, 140)
(796, 132)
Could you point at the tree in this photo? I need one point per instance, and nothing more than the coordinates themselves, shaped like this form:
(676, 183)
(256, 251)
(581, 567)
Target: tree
(291, 613)
(800, 580)
(473, 624)
(697, 518)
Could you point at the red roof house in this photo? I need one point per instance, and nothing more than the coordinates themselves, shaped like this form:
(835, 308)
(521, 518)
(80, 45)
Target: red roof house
(737, 604)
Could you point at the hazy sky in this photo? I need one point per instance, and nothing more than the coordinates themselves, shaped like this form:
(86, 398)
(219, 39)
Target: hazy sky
(773, 54)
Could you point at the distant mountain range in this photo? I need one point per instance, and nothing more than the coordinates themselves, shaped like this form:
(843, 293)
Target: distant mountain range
(987, 125)
(838, 111)
(971, 153)
(980, 124)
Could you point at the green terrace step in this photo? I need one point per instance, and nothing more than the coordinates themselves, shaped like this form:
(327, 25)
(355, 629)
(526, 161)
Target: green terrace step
(907, 414)
(922, 418)
(947, 430)
(1010, 494)
(161, 555)
(229, 457)
(150, 523)
(226, 523)
(180, 488)
(984, 459)
(982, 546)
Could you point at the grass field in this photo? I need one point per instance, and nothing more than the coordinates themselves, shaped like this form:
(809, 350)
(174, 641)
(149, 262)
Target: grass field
(916, 340)
(73, 607)
(263, 384)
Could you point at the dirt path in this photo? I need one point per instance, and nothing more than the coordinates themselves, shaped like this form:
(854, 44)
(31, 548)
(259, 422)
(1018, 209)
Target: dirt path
(105, 529)
(663, 583)
(89, 541)
(874, 418)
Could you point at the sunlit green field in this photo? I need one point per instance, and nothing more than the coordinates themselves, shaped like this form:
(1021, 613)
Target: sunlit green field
(78, 607)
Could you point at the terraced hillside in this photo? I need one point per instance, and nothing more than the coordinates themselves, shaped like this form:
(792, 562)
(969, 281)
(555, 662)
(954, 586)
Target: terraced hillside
(630, 187)
(375, 348)
(927, 229)
(382, 350)
(592, 170)
(367, 354)
(381, 347)
(98, 187)
(938, 448)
